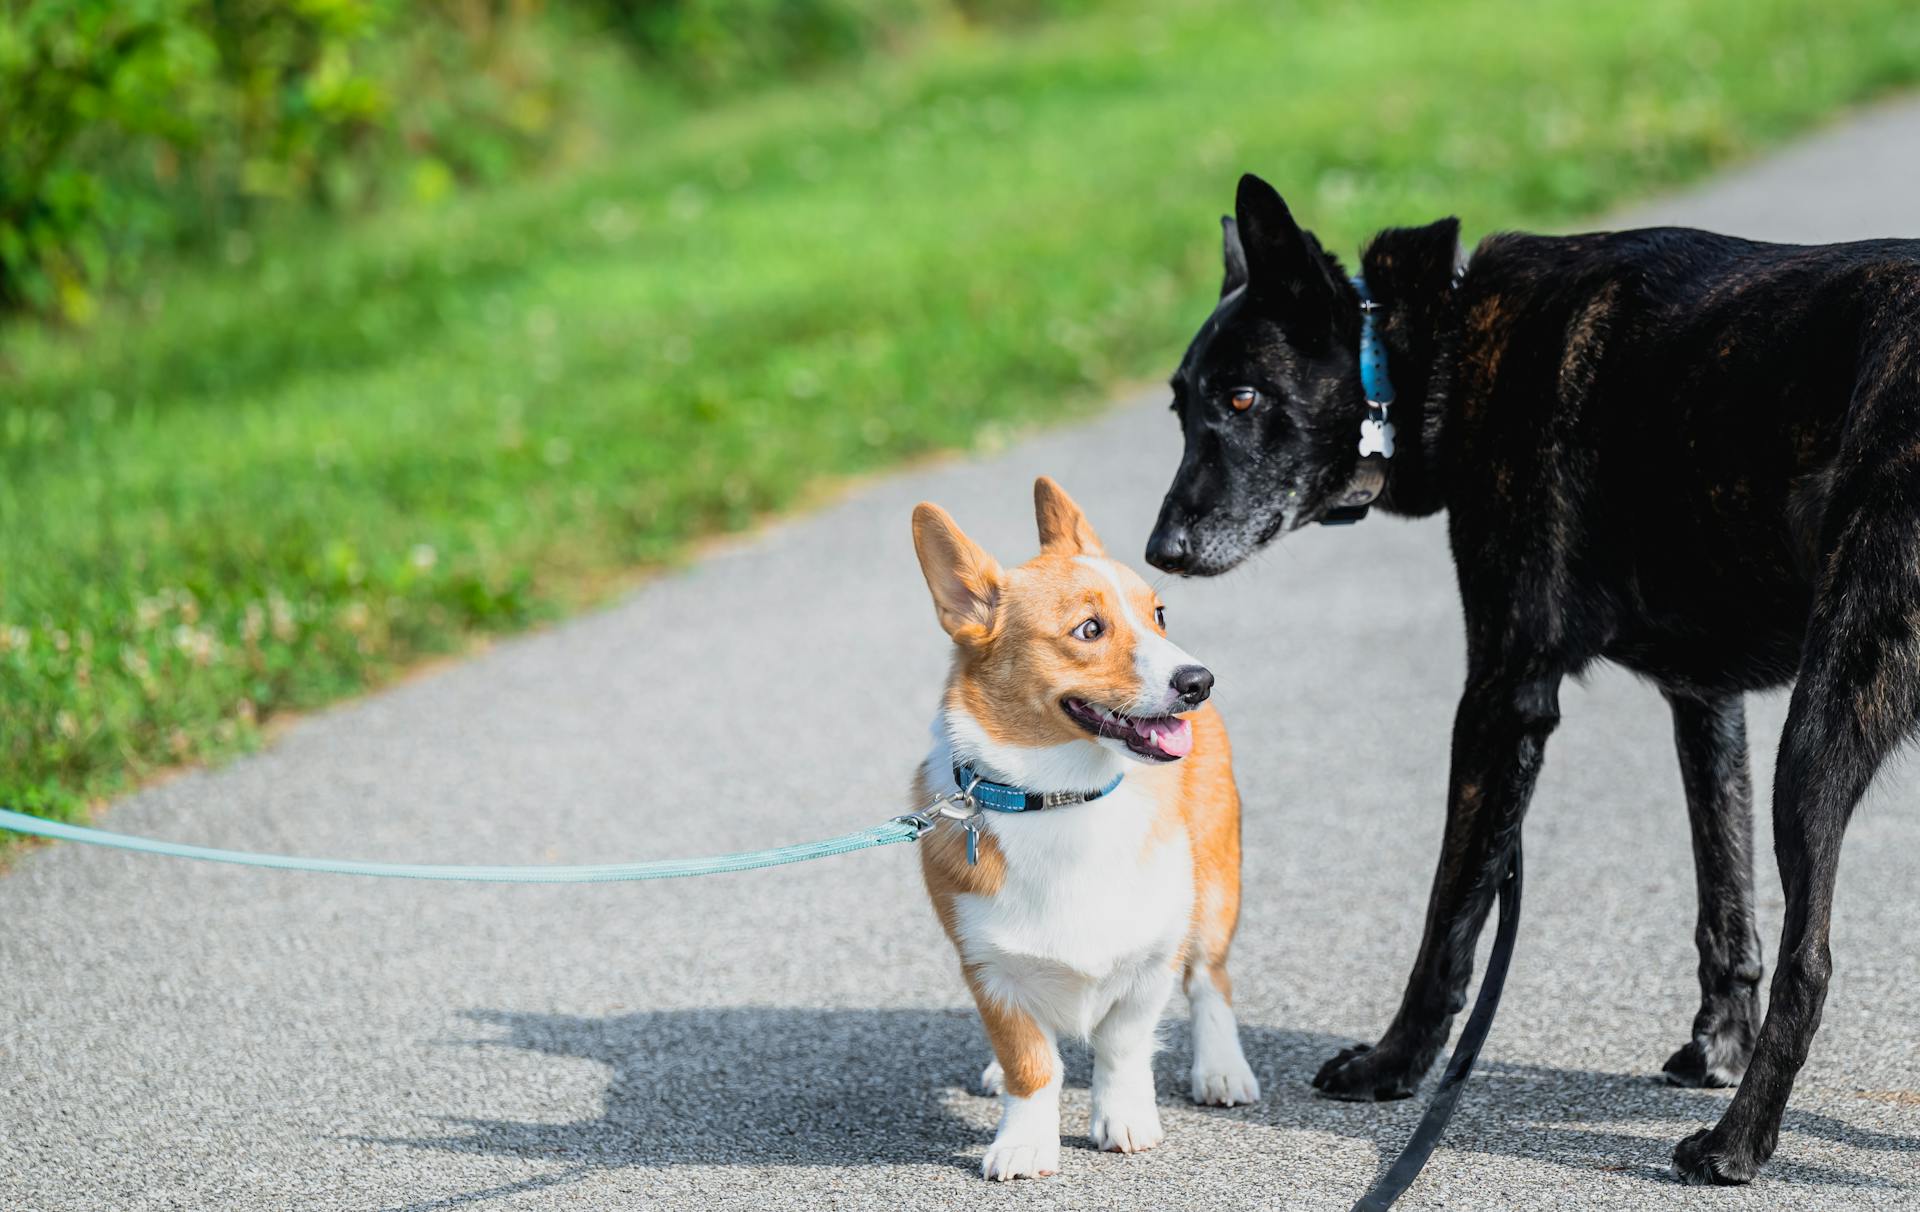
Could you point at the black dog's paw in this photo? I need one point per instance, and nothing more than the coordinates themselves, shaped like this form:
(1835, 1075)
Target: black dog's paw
(1699, 1161)
(1692, 1066)
(1346, 1054)
(1363, 1074)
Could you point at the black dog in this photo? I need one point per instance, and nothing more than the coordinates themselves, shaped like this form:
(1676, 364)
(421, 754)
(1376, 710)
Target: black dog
(1695, 456)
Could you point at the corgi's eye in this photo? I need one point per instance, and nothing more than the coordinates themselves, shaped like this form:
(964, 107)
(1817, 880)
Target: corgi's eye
(1244, 398)
(1089, 630)
(1160, 617)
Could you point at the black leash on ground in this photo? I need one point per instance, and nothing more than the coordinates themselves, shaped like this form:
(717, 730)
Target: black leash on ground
(1394, 1183)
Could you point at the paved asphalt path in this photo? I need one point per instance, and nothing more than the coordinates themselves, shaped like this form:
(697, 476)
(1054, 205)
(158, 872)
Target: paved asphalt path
(175, 1035)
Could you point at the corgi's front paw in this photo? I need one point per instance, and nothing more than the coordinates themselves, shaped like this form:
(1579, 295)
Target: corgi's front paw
(1127, 1124)
(1225, 1082)
(1019, 1154)
(993, 1080)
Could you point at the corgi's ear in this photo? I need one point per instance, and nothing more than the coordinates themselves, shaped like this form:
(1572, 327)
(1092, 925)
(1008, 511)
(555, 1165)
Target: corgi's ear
(964, 579)
(1063, 528)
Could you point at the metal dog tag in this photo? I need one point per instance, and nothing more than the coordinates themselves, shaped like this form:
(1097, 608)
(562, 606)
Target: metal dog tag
(1376, 437)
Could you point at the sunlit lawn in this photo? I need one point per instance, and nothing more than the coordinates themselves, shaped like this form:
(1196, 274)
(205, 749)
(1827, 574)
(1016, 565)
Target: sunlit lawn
(269, 482)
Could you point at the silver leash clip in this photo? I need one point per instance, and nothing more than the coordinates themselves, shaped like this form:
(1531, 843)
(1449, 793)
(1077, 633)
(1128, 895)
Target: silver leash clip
(955, 806)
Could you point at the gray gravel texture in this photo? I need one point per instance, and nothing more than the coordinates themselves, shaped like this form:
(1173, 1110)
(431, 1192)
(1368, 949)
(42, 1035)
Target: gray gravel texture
(182, 1036)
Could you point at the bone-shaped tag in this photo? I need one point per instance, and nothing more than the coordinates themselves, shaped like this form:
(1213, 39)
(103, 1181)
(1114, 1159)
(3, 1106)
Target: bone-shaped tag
(1376, 438)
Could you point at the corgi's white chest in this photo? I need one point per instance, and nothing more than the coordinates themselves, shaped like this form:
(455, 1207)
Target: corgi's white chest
(1092, 903)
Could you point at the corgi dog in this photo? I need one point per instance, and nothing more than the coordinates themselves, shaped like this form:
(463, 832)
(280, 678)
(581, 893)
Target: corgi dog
(1102, 859)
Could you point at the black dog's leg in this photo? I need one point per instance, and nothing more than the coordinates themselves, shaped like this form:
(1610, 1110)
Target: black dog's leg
(1711, 736)
(1499, 736)
(1857, 697)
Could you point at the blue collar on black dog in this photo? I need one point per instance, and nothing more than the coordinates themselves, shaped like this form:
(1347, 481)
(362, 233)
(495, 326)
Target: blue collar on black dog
(1376, 431)
(999, 797)
(1374, 380)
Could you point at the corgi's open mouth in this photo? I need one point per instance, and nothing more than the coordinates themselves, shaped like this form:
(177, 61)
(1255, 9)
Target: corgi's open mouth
(1158, 738)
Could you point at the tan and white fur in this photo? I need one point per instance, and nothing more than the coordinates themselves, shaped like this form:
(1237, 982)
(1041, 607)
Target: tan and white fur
(1078, 920)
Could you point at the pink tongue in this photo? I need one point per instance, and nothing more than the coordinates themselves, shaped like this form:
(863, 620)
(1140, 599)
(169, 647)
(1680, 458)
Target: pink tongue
(1171, 736)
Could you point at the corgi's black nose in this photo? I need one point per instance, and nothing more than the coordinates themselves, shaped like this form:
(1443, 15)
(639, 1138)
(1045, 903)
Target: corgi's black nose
(1194, 683)
(1167, 550)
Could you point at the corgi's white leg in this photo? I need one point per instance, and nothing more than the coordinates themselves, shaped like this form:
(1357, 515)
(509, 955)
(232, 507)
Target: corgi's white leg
(1027, 1061)
(1221, 1075)
(1027, 1143)
(1125, 1119)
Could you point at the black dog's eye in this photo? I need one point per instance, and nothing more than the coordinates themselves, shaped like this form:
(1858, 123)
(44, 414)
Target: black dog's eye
(1244, 398)
(1160, 617)
(1089, 630)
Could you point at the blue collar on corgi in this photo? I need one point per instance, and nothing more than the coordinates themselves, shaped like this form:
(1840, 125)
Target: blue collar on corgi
(999, 797)
(978, 793)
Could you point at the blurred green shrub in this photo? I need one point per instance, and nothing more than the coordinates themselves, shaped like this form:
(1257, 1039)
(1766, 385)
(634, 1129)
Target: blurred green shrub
(131, 125)
(127, 124)
(75, 74)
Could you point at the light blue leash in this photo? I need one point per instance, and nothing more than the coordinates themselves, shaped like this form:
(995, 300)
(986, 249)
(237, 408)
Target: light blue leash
(910, 827)
(907, 828)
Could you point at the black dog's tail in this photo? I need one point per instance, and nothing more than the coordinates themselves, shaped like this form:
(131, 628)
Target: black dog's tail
(1394, 1183)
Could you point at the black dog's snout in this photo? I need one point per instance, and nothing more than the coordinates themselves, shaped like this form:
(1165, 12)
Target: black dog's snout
(1194, 682)
(1168, 549)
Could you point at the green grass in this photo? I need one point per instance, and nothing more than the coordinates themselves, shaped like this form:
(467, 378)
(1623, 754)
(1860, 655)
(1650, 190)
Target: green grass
(270, 482)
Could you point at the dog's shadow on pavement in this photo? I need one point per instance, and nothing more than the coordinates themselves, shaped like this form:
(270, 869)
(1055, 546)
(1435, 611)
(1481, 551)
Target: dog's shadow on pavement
(766, 1085)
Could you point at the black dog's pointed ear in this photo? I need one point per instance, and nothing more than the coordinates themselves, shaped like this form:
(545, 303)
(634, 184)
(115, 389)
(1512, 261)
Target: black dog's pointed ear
(1282, 260)
(1235, 256)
